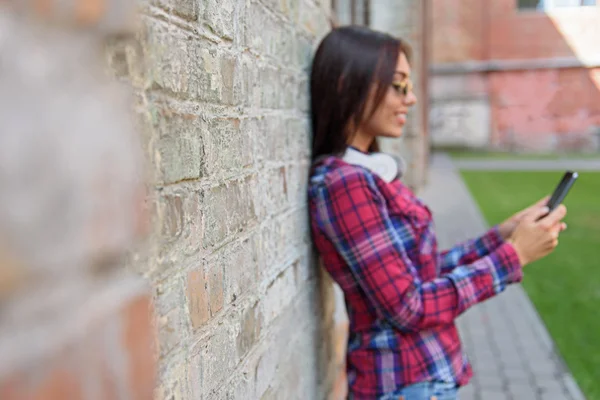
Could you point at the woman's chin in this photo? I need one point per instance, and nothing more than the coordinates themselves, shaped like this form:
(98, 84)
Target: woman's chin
(393, 133)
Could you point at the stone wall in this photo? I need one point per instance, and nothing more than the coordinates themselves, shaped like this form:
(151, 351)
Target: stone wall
(223, 103)
(223, 299)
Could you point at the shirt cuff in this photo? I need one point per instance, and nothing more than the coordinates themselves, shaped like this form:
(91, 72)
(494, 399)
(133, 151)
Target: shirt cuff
(507, 266)
(492, 239)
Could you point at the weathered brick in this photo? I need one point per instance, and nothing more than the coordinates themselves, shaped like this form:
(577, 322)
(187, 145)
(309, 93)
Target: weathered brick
(204, 293)
(271, 192)
(270, 135)
(246, 95)
(179, 148)
(265, 35)
(302, 99)
(298, 139)
(249, 331)
(215, 288)
(289, 96)
(229, 78)
(194, 377)
(184, 8)
(229, 209)
(219, 16)
(283, 241)
(306, 267)
(297, 179)
(267, 84)
(174, 381)
(290, 9)
(217, 85)
(198, 297)
(179, 215)
(239, 262)
(266, 369)
(173, 223)
(170, 58)
(242, 386)
(219, 357)
(278, 295)
(303, 53)
(139, 338)
(172, 323)
(312, 19)
(229, 147)
(188, 66)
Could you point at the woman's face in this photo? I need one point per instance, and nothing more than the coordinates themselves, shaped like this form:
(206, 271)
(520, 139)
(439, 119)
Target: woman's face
(390, 117)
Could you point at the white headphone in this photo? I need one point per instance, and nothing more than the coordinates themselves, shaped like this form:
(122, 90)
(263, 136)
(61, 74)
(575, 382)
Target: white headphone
(386, 166)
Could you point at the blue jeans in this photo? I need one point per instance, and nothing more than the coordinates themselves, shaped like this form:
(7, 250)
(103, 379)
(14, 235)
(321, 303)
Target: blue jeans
(425, 391)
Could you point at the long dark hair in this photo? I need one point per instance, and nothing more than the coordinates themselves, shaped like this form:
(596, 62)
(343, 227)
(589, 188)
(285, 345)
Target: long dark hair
(347, 63)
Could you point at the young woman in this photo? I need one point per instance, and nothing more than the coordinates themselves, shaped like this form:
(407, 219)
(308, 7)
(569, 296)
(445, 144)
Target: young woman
(376, 238)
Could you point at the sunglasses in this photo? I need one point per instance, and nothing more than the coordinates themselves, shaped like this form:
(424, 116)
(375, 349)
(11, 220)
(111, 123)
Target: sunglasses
(404, 87)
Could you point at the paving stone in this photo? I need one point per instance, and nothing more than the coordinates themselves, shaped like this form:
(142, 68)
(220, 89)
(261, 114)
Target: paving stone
(522, 391)
(493, 395)
(490, 382)
(467, 393)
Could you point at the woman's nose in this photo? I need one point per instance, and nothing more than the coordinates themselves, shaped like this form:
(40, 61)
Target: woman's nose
(410, 99)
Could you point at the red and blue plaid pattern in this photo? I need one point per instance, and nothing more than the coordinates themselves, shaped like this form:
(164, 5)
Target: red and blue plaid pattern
(377, 241)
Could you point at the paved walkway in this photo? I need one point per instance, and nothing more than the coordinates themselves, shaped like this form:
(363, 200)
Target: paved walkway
(512, 354)
(539, 165)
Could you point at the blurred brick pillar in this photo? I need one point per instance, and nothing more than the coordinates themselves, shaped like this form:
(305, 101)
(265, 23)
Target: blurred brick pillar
(74, 324)
(407, 19)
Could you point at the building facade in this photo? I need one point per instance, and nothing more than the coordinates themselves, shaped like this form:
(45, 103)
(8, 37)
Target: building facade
(516, 75)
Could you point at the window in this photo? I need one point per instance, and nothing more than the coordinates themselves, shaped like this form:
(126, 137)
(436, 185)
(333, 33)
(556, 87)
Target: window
(354, 12)
(546, 5)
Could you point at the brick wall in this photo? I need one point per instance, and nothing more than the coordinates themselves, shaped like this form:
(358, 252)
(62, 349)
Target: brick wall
(224, 292)
(222, 94)
(74, 323)
(469, 30)
(546, 109)
(514, 79)
(223, 298)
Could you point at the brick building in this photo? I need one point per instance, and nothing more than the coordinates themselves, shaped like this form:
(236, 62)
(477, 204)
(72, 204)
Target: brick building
(515, 74)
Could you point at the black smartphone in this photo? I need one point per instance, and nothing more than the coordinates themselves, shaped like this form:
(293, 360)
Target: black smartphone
(562, 189)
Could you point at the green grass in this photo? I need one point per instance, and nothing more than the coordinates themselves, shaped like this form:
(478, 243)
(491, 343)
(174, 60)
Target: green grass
(458, 154)
(565, 286)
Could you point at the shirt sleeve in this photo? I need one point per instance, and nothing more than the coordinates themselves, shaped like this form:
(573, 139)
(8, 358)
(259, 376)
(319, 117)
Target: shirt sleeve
(352, 214)
(470, 251)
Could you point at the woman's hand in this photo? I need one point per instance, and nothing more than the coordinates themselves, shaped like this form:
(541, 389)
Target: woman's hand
(507, 227)
(533, 239)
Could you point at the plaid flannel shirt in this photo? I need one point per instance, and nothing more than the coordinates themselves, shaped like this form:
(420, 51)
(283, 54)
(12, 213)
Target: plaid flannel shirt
(376, 239)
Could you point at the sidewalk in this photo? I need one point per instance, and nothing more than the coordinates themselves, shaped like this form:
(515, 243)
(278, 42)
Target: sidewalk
(512, 354)
(530, 165)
